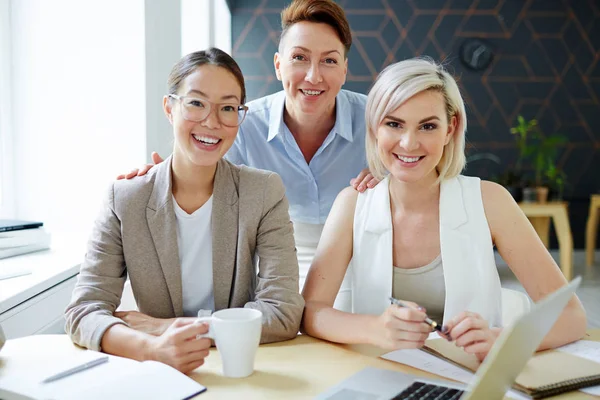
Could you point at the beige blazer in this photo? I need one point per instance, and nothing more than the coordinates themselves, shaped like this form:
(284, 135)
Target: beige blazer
(135, 234)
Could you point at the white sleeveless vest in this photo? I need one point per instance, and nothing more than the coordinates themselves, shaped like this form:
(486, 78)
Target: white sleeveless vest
(470, 272)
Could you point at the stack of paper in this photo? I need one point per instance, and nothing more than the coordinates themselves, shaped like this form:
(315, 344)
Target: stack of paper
(21, 237)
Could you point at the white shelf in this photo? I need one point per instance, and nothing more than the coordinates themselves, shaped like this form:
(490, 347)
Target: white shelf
(48, 268)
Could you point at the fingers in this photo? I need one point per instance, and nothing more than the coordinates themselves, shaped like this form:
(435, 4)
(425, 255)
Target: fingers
(372, 182)
(478, 348)
(359, 179)
(128, 175)
(413, 305)
(185, 329)
(195, 356)
(156, 159)
(362, 185)
(408, 314)
(190, 367)
(144, 170)
(471, 337)
(450, 325)
(194, 345)
(469, 322)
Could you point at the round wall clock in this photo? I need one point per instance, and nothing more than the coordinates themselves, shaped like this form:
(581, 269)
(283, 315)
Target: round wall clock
(476, 54)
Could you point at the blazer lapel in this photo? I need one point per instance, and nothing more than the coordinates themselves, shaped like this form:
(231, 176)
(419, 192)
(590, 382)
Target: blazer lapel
(373, 285)
(163, 228)
(224, 232)
(455, 249)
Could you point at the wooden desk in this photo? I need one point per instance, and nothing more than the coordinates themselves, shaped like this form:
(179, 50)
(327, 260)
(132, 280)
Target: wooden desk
(539, 215)
(296, 369)
(591, 231)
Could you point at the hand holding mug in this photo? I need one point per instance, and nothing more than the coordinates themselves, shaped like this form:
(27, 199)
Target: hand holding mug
(179, 346)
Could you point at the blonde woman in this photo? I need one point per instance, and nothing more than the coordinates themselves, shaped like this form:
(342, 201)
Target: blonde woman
(426, 233)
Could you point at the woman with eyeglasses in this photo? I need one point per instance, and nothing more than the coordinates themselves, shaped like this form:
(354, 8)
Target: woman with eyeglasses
(312, 132)
(188, 233)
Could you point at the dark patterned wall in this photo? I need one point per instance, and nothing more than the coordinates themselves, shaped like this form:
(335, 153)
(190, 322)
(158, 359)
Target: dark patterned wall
(546, 66)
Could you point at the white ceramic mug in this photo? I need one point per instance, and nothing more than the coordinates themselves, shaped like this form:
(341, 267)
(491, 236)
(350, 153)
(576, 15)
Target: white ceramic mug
(236, 332)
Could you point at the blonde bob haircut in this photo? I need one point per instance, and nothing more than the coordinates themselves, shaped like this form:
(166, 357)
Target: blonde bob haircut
(395, 85)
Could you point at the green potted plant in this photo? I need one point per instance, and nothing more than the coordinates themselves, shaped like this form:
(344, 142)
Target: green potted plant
(556, 179)
(541, 151)
(544, 155)
(512, 179)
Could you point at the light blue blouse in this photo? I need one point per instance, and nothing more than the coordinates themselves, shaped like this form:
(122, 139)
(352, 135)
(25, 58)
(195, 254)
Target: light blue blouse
(265, 142)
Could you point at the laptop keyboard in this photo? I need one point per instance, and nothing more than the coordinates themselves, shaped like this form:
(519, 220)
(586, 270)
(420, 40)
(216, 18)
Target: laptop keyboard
(421, 391)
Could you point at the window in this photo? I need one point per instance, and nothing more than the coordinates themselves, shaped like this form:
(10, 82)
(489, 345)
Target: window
(205, 24)
(7, 204)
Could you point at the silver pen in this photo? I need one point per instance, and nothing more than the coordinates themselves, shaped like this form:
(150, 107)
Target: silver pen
(76, 369)
(434, 325)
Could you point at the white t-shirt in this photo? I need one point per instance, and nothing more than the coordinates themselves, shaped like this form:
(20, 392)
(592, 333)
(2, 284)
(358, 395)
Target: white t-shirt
(194, 238)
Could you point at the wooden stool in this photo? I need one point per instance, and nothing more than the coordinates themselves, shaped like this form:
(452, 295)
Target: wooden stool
(591, 232)
(539, 214)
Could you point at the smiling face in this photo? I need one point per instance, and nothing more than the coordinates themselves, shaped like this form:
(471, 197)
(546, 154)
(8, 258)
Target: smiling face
(203, 143)
(312, 67)
(411, 139)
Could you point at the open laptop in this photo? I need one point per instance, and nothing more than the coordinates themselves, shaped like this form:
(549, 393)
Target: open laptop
(505, 361)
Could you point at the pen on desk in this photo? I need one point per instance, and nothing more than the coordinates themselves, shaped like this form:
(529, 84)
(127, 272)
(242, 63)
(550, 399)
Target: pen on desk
(434, 325)
(76, 369)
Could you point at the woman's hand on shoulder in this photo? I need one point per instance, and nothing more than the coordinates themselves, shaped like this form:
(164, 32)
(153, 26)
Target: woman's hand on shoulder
(363, 181)
(401, 328)
(179, 346)
(143, 170)
(472, 333)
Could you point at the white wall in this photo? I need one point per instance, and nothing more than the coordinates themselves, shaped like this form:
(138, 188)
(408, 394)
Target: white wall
(78, 105)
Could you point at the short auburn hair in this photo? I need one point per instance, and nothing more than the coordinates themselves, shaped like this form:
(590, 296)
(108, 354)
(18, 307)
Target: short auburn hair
(320, 11)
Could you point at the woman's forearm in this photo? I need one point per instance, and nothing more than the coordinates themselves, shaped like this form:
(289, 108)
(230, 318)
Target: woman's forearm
(327, 323)
(569, 327)
(123, 341)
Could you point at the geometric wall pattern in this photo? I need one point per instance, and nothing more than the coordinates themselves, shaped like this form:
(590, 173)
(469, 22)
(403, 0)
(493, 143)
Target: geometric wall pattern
(546, 66)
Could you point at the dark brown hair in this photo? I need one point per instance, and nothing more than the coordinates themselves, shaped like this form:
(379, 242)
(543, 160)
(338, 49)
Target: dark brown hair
(213, 56)
(322, 11)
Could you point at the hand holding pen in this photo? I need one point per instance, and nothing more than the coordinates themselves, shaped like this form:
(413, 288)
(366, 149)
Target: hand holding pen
(399, 328)
(434, 325)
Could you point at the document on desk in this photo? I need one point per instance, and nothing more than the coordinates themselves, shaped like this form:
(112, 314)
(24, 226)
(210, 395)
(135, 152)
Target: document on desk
(119, 378)
(585, 349)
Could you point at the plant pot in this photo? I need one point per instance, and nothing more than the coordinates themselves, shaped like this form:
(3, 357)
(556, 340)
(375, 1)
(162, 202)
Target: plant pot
(542, 194)
(530, 195)
(516, 192)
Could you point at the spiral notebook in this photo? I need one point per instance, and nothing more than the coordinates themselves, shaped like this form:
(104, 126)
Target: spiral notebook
(546, 374)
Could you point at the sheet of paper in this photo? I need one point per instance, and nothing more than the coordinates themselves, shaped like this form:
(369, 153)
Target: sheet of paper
(119, 378)
(585, 349)
(430, 363)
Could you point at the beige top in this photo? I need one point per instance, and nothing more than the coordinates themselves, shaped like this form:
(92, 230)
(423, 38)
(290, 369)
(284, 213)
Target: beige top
(424, 286)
